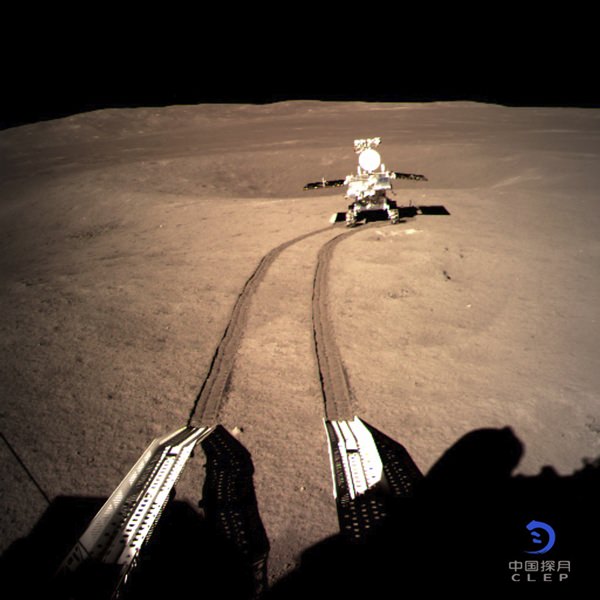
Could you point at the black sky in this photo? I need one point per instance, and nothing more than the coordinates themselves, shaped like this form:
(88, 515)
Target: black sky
(66, 64)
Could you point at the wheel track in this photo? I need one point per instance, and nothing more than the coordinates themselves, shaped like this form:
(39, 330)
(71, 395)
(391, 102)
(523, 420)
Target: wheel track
(337, 396)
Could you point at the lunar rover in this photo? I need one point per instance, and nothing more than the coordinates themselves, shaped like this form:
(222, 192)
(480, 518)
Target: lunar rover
(367, 189)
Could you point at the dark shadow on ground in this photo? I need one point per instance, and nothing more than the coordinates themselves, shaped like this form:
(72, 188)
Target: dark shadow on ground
(433, 210)
(404, 213)
(218, 550)
(28, 566)
(463, 528)
(184, 555)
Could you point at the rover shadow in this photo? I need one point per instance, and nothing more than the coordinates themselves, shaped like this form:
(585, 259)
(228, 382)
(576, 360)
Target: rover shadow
(436, 209)
(463, 527)
(404, 213)
(218, 550)
(373, 216)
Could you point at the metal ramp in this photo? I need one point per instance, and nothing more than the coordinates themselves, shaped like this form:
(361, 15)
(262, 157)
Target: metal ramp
(369, 470)
(99, 563)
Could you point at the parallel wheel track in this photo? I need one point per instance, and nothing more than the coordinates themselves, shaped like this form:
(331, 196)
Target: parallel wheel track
(337, 396)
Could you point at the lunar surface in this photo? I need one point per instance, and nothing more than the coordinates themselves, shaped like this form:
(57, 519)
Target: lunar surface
(137, 242)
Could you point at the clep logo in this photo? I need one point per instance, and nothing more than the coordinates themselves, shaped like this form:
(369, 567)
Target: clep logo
(548, 538)
(533, 571)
